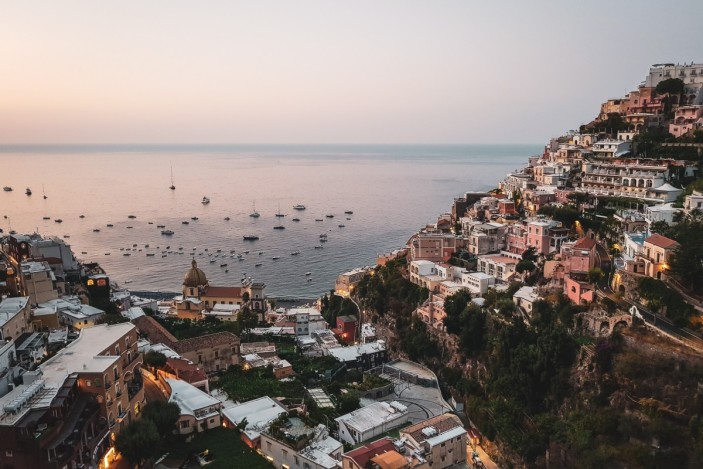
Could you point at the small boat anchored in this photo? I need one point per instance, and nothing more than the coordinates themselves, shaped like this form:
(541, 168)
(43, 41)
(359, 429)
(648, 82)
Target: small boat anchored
(28, 191)
(250, 237)
(166, 232)
(254, 213)
(205, 201)
(299, 207)
(172, 186)
(7, 189)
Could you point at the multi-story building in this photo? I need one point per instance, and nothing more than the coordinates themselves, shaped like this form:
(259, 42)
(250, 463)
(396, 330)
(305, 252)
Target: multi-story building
(625, 178)
(443, 440)
(347, 281)
(15, 316)
(212, 352)
(580, 256)
(68, 411)
(362, 356)
(525, 298)
(38, 282)
(688, 73)
(371, 421)
(483, 238)
(295, 445)
(23, 247)
(657, 251)
(258, 414)
(71, 312)
(501, 266)
(435, 247)
(611, 148)
(199, 410)
(476, 282)
(686, 119)
(693, 201)
(546, 235)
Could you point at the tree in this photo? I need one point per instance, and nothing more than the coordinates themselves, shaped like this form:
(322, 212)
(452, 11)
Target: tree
(247, 319)
(687, 259)
(672, 86)
(595, 275)
(154, 360)
(245, 297)
(164, 415)
(660, 227)
(454, 306)
(139, 441)
(349, 402)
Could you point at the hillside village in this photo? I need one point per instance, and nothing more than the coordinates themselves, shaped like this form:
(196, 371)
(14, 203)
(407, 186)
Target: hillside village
(553, 321)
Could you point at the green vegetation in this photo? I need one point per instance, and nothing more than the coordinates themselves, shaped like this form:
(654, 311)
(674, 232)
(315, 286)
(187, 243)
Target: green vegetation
(566, 215)
(663, 299)
(687, 260)
(243, 385)
(146, 438)
(223, 445)
(672, 86)
(154, 360)
(186, 329)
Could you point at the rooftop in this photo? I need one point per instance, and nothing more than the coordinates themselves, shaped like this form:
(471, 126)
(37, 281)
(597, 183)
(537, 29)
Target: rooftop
(433, 427)
(191, 399)
(347, 354)
(372, 416)
(206, 341)
(10, 307)
(661, 241)
(259, 413)
(363, 454)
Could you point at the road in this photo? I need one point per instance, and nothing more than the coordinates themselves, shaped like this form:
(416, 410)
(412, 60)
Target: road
(152, 391)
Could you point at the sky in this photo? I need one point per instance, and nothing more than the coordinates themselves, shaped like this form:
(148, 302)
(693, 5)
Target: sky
(323, 71)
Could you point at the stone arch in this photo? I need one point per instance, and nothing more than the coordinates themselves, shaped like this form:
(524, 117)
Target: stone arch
(604, 327)
(621, 289)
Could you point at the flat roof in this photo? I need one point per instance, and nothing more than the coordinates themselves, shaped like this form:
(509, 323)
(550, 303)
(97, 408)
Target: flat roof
(259, 414)
(347, 354)
(10, 307)
(374, 415)
(190, 399)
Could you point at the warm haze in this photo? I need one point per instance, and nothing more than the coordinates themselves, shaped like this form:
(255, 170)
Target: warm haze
(319, 71)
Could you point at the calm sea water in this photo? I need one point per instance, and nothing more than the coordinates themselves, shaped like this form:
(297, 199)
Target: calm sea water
(392, 190)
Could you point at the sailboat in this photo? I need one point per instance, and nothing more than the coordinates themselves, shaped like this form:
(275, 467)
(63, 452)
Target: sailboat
(43, 192)
(172, 187)
(254, 214)
(279, 214)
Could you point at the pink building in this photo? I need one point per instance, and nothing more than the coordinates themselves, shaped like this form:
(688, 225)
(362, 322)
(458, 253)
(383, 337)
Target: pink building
(579, 257)
(577, 291)
(538, 236)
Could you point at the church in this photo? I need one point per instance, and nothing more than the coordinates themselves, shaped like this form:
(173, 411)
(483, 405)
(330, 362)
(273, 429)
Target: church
(200, 297)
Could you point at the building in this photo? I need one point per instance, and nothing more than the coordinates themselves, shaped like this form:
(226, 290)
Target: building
(501, 266)
(579, 257)
(34, 247)
(611, 148)
(525, 298)
(361, 356)
(443, 440)
(258, 413)
(39, 282)
(435, 247)
(71, 312)
(483, 238)
(661, 212)
(199, 296)
(69, 410)
(689, 73)
(657, 251)
(15, 315)
(693, 201)
(212, 352)
(385, 453)
(346, 328)
(346, 282)
(371, 421)
(477, 282)
(578, 291)
(199, 410)
(281, 368)
(295, 445)
(8, 361)
(178, 368)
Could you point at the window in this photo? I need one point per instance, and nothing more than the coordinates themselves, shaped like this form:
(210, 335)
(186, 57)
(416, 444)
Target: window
(8, 453)
(185, 424)
(268, 445)
(117, 349)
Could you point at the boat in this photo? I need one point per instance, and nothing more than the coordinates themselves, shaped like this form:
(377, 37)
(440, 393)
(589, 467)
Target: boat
(107, 253)
(318, 219)
(299, 207)
(172, 187)
(81, 216)
(28, 191)
(67, 236)
(46, 218)
(279, 227)
(258, 265)
(150, 223)
(246, 252)
(131, 216)
(96, 230)
(205, 201)
(127, 254)
(295, 253)
(166, 232)
(58, 220)
(250, 237)
(254, 213)
(226, 218)
(43, 192)
(308, 274)
(319, 247)
(150, 254)
(223, 265)
(279, 214)
(130, 227)
(194, 218)
(110, 225)
(348, 212)
(323, 236)
(185, 222)
(161, 226)
(329, 215)
(212, 261)
(7, 189)
(275, 258)
(296, 219)
(309, 280)
(83, 252)
(341, 225)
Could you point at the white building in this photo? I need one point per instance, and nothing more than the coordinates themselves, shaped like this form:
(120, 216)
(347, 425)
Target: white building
(39, 282)
(525, 298)
(688, 73)
(71, 312)
(199, 410)
(663, 212)
(8, 359)
(501, 266)
(693, 201)
(371, 421)
(223, 312)
(611, 148)
(258, 413)
(14, 317)
(477, 282)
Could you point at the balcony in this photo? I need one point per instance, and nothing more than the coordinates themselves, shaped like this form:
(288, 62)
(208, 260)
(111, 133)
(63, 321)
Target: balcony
(135, 390)
(129, 366)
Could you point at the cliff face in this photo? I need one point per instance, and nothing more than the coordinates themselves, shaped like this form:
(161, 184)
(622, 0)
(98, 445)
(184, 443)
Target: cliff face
(549, 396)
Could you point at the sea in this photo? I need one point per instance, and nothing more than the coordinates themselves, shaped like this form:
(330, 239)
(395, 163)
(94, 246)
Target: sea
(392, 190)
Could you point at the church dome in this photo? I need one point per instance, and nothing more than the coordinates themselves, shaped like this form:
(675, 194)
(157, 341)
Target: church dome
(195, 277)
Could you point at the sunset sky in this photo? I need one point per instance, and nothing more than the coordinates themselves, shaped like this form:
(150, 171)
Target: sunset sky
(364, 71)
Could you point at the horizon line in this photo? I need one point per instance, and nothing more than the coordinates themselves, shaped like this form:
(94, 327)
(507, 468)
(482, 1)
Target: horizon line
(257, 143)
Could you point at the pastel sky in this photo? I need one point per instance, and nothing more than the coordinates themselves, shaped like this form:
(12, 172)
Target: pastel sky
(323, 71)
